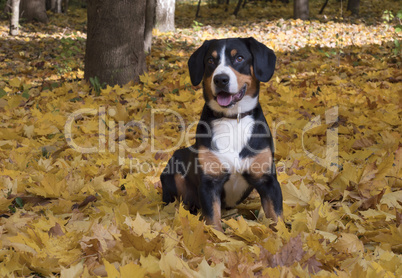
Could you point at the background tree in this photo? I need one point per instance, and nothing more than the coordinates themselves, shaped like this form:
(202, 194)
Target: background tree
(115, 41)
(33, 10)
(149, 24)
(354, 6)
(15, 17)
(237, 9)
(29, 10)
(57, 6)
(301, 9)
(164, 15)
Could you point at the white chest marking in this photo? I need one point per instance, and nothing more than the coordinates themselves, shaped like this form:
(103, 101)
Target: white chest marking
(228, 139)
(234, 189)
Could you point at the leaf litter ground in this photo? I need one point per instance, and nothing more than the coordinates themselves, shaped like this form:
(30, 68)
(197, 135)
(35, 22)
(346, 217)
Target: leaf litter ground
(97, 210)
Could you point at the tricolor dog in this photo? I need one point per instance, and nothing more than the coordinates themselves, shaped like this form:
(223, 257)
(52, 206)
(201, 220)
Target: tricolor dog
(233, 153)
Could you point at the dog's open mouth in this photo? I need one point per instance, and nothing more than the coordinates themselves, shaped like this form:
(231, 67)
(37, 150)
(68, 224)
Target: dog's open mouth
(226, 99)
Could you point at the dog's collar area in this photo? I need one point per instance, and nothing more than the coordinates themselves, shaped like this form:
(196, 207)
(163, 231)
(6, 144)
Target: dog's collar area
(238, 116)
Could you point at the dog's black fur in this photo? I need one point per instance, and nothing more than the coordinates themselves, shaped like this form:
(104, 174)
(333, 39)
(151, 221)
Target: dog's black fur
(217, 171)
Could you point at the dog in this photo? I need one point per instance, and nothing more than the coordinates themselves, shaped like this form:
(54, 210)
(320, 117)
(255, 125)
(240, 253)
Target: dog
(233, 153)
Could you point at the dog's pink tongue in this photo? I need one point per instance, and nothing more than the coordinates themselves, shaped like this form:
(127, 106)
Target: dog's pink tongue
(224, 99)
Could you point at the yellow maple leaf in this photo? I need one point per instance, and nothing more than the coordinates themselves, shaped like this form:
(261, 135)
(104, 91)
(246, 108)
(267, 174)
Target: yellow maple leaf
(296, 196)
(132, 270)
(207, 271)
(194, 240)
(15, 82)
(150, 263)
(171, 264)
(111, 270)
(348, 243)
(73, 271)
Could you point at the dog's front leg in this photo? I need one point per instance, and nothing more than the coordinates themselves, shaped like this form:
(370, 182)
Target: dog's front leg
(210, 192)
(271, 196)
(270, 193)
(212, 177)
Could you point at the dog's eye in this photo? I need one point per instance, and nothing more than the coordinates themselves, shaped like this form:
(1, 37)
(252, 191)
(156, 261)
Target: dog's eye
(239, 59)
(211, 61)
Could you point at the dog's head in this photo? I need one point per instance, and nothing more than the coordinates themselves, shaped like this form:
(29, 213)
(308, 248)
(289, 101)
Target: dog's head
(231, 70)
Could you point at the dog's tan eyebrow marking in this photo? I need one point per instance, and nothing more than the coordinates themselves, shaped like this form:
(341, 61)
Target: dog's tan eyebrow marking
(233, 52)
(214, 54)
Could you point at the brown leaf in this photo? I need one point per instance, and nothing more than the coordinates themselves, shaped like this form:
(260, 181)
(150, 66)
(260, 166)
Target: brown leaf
(398, 219)
(34, 200)
(291, 252)
(372, 202)
(362, 143)
(56, 231)
(161, 156)
(90, 198)
(313, 265)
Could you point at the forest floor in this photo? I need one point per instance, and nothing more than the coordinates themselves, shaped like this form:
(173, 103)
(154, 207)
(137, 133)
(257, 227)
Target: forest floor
(79, 168)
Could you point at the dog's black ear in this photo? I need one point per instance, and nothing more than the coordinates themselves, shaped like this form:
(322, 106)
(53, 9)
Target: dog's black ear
(196, 65)
(264, 60)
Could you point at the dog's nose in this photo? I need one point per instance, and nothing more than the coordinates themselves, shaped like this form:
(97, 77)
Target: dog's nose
(221, 80)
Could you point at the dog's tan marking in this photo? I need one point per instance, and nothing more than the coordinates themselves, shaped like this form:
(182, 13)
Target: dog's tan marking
(250, 80)
(210, 163)
(233, 52)
(261, 163)
(214, 54)
(269, 210)
(207, 89)
(215, 220)
(180, 185)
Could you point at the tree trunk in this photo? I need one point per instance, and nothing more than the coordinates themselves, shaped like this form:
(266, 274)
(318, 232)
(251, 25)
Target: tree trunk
(197, 13)
(237, 9)
(115, 41)
(354, 6)
(65, 6)
(323, 7)
(301, 9)
(58, 6)
(15, 18)
(33, 10)
(164, 15)
(149, 24)
(51, 5)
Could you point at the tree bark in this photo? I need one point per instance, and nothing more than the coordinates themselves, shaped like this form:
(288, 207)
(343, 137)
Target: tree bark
(354, 6)
(323, 7)
(51, 5)
(237, 9)
(15, 18)
(65, 6)
(197, 13)
(58, 6)
(164, 15)
(33, 10)
(115, 41)
(149, 24)
(301, 9)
